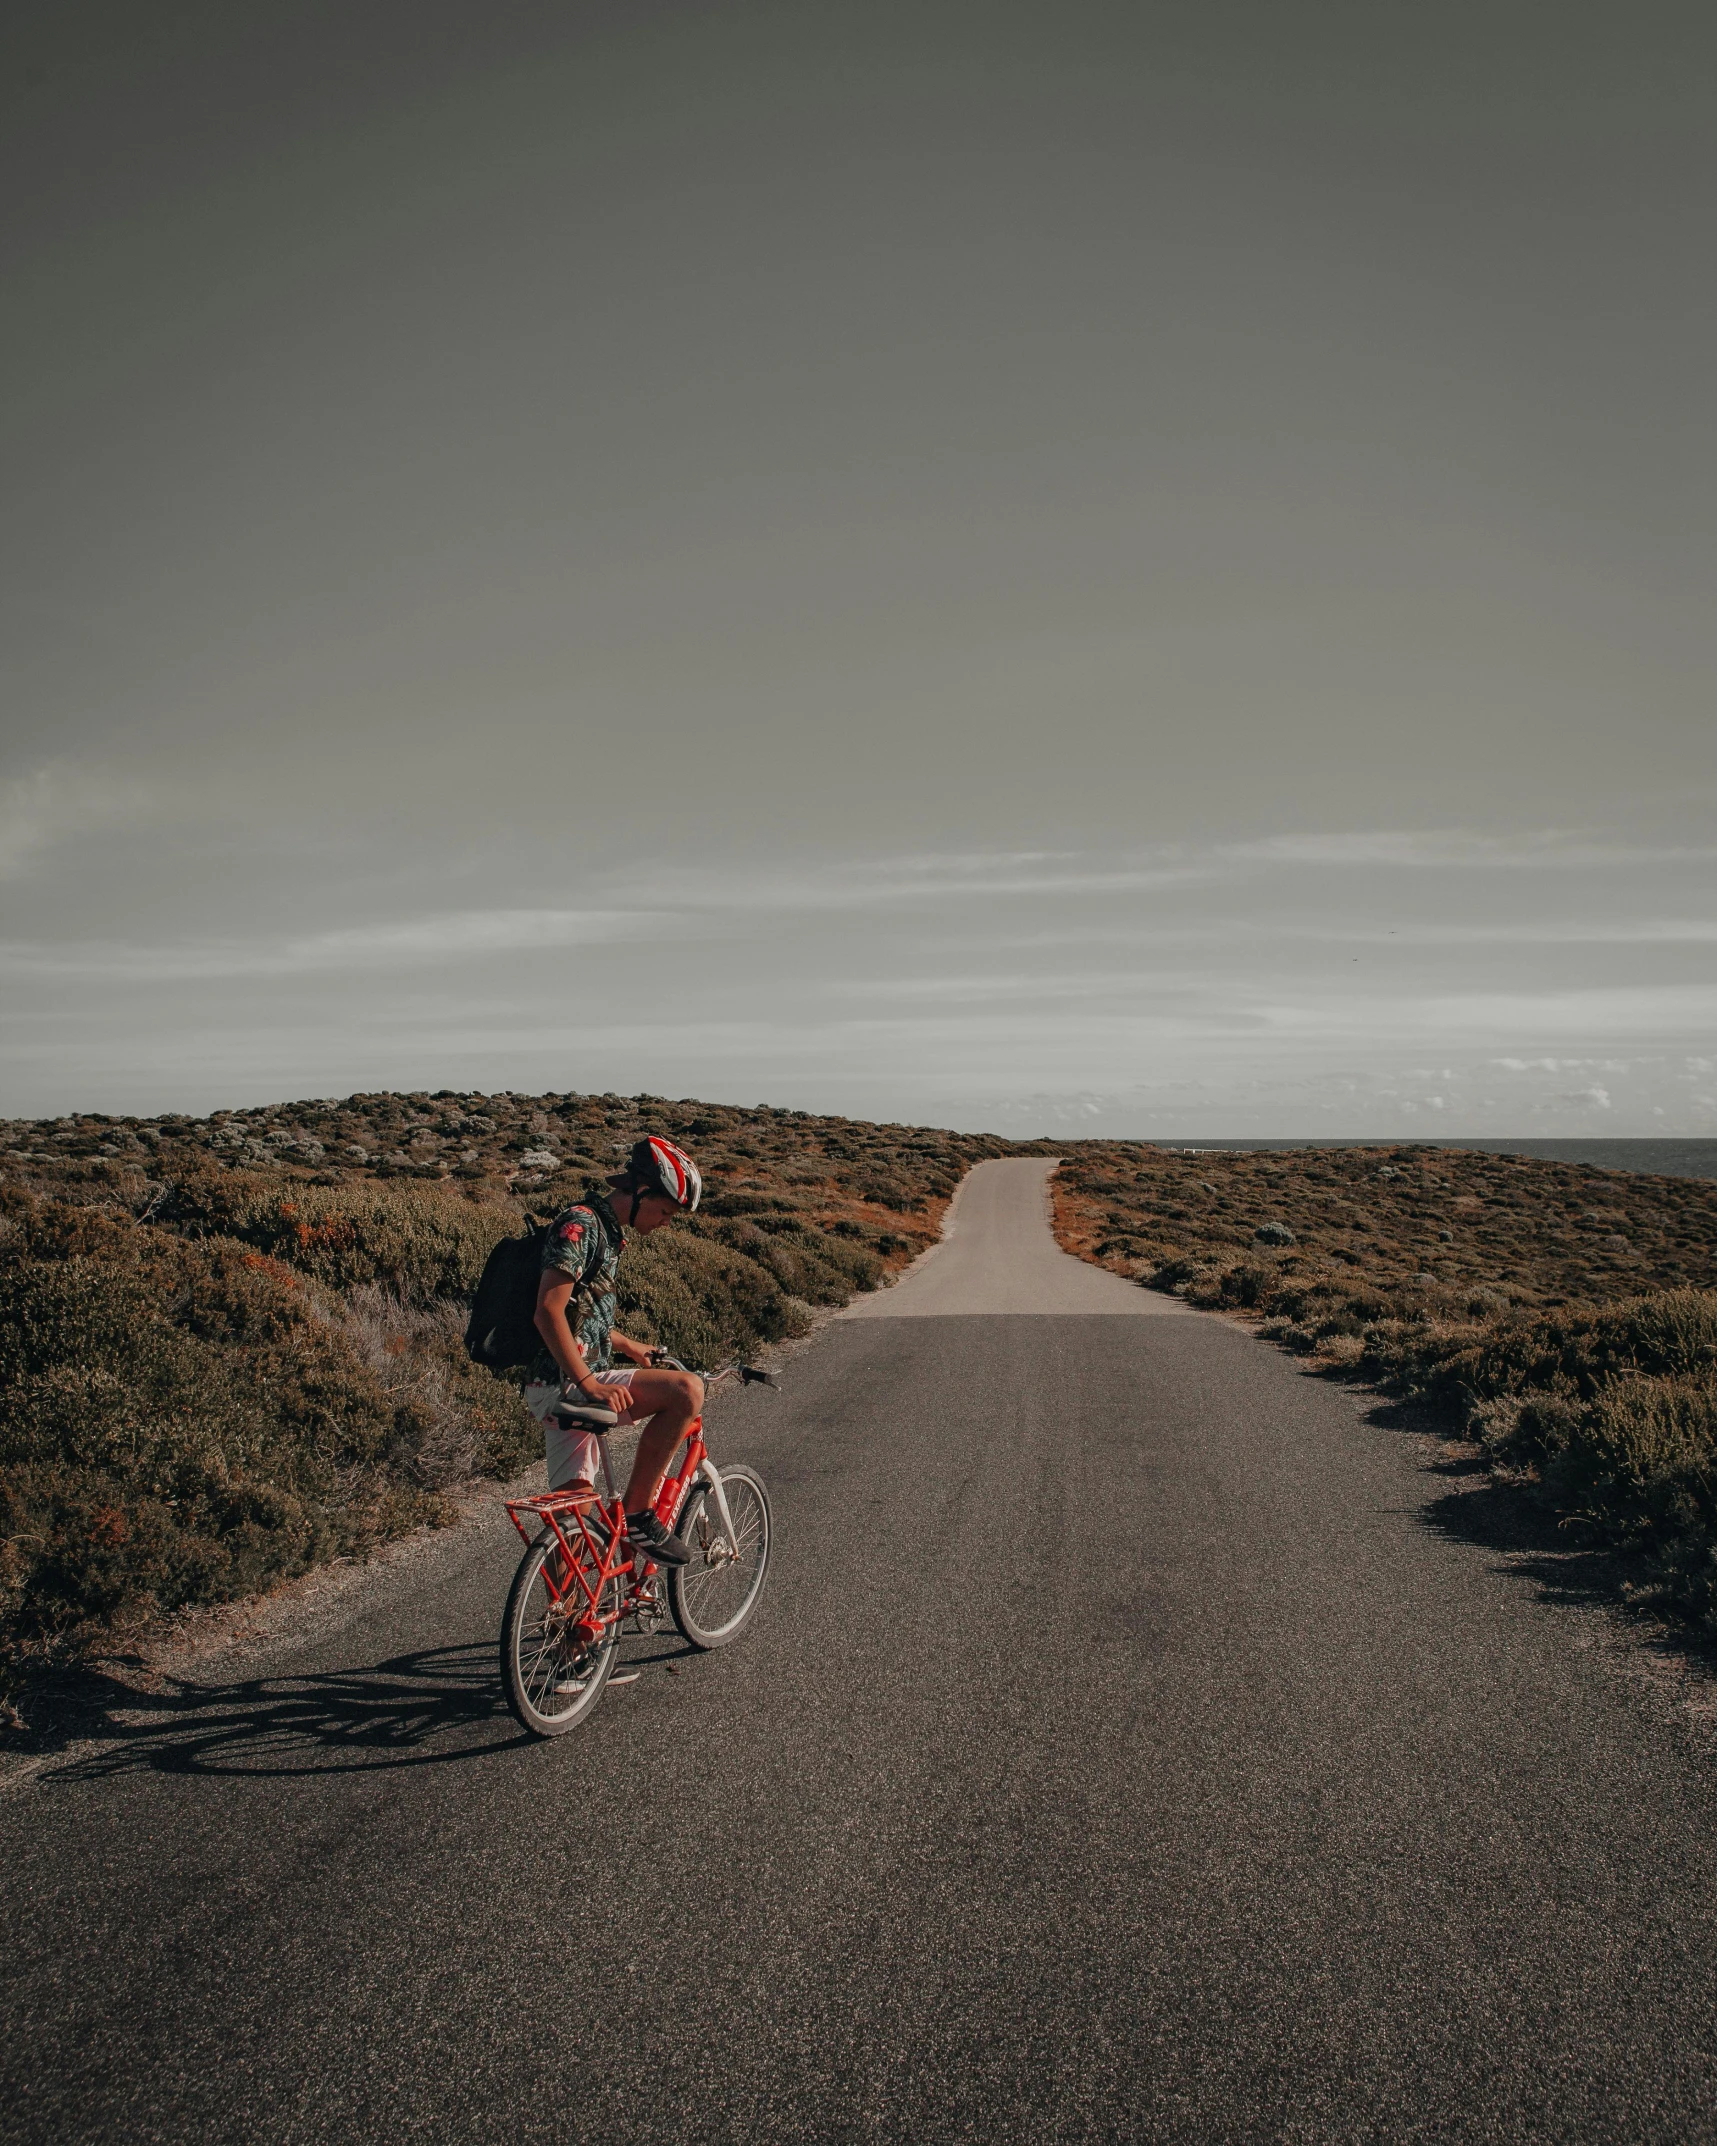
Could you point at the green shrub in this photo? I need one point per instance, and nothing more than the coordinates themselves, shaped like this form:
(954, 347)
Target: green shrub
(1608, 1415)
(416, 1236)
(1641, 1461)
(893, 1189)
(185, 1421)
(1673, 1331)
(703, 1301)
(805, 1263)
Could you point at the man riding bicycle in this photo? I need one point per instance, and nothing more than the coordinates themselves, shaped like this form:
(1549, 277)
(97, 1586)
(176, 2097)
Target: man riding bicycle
(581, 1258)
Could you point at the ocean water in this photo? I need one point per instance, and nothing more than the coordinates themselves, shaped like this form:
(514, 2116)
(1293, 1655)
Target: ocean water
(1652, 1158)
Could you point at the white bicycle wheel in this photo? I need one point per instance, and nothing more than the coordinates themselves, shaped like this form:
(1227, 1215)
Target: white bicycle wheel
(714, 1596)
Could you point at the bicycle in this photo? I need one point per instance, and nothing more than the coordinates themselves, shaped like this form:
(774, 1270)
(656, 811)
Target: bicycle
(579, 1581)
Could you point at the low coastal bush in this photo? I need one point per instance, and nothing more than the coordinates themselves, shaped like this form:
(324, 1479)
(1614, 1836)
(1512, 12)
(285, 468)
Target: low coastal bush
(186, 1420)
(1563, 1317)
(408, 1234)
(1609, 1415)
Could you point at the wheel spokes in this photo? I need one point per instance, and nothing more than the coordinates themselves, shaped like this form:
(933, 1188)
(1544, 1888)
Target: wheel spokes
(548, 1657)
(725, 1574)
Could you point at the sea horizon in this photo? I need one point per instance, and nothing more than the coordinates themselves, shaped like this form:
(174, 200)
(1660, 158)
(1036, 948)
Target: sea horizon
(1644, 1154)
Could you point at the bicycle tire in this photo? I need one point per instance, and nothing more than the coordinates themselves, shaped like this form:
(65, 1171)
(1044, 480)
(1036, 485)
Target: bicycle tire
(536, 1667)
(713, 1602)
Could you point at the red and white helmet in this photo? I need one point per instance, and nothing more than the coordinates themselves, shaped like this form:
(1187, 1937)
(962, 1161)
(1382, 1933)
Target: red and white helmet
(661, 1166)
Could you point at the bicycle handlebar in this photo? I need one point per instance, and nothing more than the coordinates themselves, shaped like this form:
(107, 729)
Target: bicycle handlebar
(748, 1374)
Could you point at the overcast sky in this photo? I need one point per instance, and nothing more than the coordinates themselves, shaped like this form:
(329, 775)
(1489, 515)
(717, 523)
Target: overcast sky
(1149, 566)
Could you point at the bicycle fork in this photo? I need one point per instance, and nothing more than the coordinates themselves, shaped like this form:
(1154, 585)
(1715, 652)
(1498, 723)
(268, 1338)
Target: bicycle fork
(707, 1469)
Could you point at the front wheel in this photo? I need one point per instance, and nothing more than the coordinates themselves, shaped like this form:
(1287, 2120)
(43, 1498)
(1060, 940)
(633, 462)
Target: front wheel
(552, 1680)
(713, 1597)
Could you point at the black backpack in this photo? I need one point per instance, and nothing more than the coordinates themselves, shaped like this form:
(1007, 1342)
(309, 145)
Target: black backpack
(503, 1326)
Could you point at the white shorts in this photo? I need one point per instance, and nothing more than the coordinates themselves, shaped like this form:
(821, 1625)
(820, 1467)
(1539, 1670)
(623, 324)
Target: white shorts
(572, 1455)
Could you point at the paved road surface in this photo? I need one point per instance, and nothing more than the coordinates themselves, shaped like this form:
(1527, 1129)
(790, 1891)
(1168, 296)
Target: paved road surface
(997, 1259)
(1121, 1754)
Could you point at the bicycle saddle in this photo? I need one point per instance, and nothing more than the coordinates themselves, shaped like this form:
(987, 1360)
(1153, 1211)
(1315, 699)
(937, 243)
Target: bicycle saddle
(586, 1419)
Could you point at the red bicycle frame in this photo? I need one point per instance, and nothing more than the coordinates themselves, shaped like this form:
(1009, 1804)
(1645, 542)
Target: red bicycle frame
(585, 1569)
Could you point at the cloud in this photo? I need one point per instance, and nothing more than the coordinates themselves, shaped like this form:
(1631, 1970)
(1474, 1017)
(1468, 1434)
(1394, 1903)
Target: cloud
(57, 801)
(1664, 931)
(1456, 849)
(956, 873)
(964, 876)
(925, 974)
(1599, 1012)
(1563, 1065)
(1253, 929)
(888, 882)
(1122, 988)
(414, 943)
(462, 932)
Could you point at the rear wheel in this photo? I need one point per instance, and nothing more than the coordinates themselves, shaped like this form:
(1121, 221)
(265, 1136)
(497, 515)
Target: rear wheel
(714, 1596)
(552, 1678)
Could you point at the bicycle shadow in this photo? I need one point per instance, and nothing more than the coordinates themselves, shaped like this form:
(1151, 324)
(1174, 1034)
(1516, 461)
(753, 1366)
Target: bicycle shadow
(436, 1706)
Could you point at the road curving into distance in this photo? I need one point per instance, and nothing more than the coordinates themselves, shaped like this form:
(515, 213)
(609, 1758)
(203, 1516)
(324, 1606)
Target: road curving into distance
(997, 1259)
(1130, 1746)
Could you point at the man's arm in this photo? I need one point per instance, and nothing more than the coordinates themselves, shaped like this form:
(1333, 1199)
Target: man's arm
(554, 1294)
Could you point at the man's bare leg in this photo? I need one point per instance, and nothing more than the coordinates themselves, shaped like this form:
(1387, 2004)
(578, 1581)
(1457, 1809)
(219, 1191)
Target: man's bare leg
(671, 1400)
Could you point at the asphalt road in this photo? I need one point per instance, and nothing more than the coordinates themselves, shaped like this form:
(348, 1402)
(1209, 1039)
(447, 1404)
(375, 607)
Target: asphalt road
(1127, 1749)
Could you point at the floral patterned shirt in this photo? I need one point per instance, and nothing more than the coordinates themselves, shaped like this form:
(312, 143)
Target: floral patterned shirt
(585, 1242)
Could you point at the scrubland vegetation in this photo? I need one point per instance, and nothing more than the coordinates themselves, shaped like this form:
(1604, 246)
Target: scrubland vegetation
(230, 1348)
(1563, 1317)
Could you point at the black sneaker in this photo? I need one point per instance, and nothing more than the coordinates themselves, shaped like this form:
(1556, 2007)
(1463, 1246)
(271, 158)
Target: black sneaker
(645, 1532)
